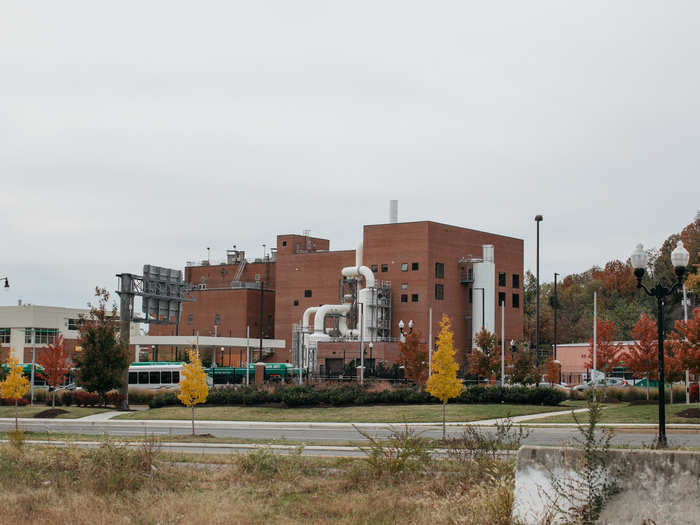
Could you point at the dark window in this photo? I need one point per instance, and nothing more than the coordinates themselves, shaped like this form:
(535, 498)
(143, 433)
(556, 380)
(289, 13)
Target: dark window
(166, 377)
(28, 335)
(516, 300)
(414, 298)
(404, 298)
(132, 378)
(439, 292)
(440, 270)
(501, 298)
(154, 378)
(189, 319)
(4, 335)
(516, 280)
(143, 378)
(385, 267)
(176, 377)
(296, 302)
(501, 279)
(414, 267)
(471, 293)
(374, 268)
(73, 324)
(217, 319)
(307, 293)
(284, 243)
(404, 267)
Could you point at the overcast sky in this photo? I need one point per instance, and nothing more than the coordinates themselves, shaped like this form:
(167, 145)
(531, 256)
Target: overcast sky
(143, 132)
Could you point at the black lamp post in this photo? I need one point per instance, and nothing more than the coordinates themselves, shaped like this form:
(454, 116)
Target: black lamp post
(679, 259)
(538, 220)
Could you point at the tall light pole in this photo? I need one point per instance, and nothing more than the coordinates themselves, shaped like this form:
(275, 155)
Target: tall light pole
(555, 306)
(538, 220)
(679, 259)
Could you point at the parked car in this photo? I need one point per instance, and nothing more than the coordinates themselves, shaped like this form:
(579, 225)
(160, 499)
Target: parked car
(600, 383)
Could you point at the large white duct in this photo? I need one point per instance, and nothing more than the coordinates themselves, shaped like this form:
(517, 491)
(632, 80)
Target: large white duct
(484, 293)
(327, 309)
(307, 314)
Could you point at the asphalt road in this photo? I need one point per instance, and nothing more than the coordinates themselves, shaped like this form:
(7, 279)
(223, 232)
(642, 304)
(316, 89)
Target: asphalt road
(324, 432)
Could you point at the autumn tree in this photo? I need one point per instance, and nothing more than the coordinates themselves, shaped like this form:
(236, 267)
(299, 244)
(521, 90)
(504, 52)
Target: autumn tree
(56, 363)
(193, 385)
(643, 355)
(608, 353)
(685, 340)
(525, 370)
(103, 361)
(14, 386)
(552, 371)
(443, 383)
(483, 361)
(414, 357)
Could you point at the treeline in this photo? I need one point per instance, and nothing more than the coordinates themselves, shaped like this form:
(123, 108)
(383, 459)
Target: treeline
(619, 300)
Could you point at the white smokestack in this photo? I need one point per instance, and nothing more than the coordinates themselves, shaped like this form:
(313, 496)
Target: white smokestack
(393, 211)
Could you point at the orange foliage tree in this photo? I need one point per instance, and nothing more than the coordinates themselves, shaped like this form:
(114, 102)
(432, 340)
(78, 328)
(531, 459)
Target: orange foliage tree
(643, 355)
(685, 340)
(414, 357)
(608, 354)
(482, 361)
(56, 363)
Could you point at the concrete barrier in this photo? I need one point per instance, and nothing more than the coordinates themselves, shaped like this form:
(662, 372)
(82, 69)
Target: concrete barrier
(658, 485)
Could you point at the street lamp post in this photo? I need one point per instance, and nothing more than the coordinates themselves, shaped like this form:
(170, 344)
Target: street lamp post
(538, 220)
(679, 259)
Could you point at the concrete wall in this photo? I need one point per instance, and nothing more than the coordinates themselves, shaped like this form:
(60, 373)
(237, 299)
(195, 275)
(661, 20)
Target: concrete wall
(661, 485)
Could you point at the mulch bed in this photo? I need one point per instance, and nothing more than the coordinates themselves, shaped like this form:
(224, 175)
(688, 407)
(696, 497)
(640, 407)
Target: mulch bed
(51, 413)
(690, 413)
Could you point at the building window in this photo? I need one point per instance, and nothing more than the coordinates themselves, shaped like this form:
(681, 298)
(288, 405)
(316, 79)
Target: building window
(296, 302)
(414, 267)
(439, 270)
(374, 268)
(516, 300)
(307, 293)
(404, 298)
(28, 335)
(404, 286)
(189, 319)
(501, 279)
(43, 336)
(385, 267)
(217, 319)
(4, 336)
(414, 298)
(439, 292)
(516, 280)
(471, 294)
(404, 267)
(501, 298)
(284, 243)
(73, 324)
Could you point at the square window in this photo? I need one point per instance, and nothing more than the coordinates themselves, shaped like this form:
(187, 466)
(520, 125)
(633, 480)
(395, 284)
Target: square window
(5, 335)
(73, 324)
(516, 280)
(296, 302)
(385, 267)
(404, 286)
(284, 243)
(217, 319)
(404, 267)
(404, 298)
(471, 295)
(132, 378)
(501, 298)
(414, 298)
(189, 319)
(414, 267)
(439, 270)
(439, 292)
(501, 279)
(374, 268)
(516, 300)
(307, 293)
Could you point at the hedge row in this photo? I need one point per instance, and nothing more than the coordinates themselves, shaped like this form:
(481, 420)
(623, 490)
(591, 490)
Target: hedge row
(307, 396)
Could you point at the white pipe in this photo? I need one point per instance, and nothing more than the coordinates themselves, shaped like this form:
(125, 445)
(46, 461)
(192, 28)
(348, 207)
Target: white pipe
(358, 255)
(307, 314)
(360, 271)
(323, 311)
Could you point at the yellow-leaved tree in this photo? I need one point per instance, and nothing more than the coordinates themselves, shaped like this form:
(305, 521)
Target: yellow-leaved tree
(193, 385)
(15, 385)
(443, 382)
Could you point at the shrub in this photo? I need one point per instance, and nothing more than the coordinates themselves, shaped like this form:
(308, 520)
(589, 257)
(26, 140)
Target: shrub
(114, 398)
(403, 451)
(164, 399)
(86, 399)
(66, 398)
(140, 396)
(694, 393)
(11, 402)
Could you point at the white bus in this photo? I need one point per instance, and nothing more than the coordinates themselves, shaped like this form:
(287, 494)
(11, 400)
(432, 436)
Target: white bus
(152, 375)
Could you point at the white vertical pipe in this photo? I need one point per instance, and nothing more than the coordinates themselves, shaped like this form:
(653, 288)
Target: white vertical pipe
(595, 328)
(247, 355)
(362, 341)
(503, 343)
(430, 341)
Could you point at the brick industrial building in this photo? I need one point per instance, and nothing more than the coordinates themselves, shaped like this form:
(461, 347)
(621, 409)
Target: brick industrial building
(417, 266)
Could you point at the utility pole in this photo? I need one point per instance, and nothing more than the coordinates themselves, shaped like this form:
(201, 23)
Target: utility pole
(126, 300)
(262, 302)
(247, 355)
(538, 219)
(430, 342)
(556, 305)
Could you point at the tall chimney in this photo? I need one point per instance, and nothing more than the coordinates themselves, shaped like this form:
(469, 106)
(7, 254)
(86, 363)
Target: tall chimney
(393, 211)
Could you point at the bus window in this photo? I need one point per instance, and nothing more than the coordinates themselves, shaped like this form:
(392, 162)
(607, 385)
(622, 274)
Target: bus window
(176, 377)
(166, 377)
(132, 378)
(143, 378)
(155, 378)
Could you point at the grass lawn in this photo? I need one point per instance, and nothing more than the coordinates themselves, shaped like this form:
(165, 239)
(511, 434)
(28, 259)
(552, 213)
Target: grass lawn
(73, 412)
(624, 413)
(358, 414)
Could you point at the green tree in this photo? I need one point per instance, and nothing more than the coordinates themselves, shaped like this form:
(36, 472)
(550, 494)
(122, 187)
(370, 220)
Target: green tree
(443, 383)
(193, 385)
(102, 362)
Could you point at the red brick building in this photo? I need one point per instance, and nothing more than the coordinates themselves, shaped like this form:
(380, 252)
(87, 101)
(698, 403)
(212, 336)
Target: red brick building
(428, 264)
